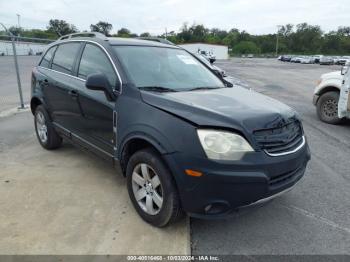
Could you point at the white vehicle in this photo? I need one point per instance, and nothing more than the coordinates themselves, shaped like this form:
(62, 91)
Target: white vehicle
(317, 58)
(326, 97)
(208, 55)
(336, 60)
(344, 99)
(343, 60)
(307, 60)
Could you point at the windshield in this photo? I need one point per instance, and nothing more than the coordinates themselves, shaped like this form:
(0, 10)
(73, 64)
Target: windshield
(168, 68)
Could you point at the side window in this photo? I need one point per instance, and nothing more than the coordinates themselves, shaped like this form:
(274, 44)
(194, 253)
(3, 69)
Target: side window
(45, 62)
(94, 60)
(64, 57)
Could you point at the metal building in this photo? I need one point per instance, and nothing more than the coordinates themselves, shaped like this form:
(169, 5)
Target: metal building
(219, 51)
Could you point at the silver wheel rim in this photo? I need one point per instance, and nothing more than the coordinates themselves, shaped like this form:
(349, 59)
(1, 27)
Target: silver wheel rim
(147, 189)
(330, 108)
(41, 127)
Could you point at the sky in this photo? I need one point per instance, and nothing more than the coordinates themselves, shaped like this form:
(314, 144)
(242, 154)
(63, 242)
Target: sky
(153, 16)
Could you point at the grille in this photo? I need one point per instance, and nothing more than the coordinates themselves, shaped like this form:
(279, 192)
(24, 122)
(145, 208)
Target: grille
(281, 139)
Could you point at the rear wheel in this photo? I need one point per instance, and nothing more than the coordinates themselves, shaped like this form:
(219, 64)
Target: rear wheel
(152, 188)
(45, 132)
(327, 108)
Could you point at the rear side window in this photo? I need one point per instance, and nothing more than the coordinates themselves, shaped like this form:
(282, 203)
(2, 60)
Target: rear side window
(63, 60)
(94, 60)
(45, 62)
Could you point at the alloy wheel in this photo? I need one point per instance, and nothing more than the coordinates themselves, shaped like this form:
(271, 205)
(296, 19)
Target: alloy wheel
(41, 127)
(147, 189)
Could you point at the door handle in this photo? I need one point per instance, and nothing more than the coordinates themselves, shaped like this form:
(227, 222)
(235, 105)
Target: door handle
(73, 93)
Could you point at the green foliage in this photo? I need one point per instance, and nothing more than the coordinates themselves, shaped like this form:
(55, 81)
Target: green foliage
(61, 27)
(146, 34)
(124, 32)
(246, 47)
(299, 39)
(102, 27)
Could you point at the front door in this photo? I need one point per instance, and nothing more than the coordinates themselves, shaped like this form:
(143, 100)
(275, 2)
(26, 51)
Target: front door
(96, 123)
(344, 99)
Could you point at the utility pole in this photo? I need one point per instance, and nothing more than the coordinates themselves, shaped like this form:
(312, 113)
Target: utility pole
(278, 32)
(18, 23)
(166, 33)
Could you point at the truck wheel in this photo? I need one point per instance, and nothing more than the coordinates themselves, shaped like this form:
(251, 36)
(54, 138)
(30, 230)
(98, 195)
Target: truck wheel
(45, 132)
(327, 108)
(152, 188)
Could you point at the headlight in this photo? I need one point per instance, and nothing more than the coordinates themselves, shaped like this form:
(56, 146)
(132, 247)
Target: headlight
(221, 145)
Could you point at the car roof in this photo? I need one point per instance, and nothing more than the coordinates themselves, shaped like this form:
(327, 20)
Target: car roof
(114, 41)
(136, 41)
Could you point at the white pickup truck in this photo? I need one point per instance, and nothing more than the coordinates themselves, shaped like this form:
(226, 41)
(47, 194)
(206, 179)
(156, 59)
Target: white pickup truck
(329, 91)
(344, 99)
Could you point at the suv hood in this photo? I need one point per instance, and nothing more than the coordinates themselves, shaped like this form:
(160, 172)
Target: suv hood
(236, 108)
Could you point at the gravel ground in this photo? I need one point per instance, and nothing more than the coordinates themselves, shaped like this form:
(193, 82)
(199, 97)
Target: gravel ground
(314, 217)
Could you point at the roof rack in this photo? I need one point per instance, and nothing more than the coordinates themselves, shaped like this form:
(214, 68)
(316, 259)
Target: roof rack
(156, 39)
(84, 34)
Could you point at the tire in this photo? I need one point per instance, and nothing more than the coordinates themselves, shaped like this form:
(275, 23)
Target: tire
(327, 108)
(45, 132)
(155, 212)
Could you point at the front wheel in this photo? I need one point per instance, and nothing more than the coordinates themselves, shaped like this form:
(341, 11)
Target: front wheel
(152, 188)
(327, 108)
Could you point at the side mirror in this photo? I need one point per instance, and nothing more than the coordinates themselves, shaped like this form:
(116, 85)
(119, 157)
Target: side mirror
(227, 83)
(344, 69)
(100, 82)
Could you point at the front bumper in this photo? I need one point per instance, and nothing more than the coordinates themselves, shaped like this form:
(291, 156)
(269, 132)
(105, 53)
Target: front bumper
(227, 185)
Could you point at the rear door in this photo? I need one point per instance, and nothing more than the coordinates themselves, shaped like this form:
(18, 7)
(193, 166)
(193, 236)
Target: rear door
(60, 91)
(96, 124)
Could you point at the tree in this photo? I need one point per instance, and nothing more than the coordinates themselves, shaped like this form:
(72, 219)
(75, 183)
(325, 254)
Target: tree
(344, 30)
(146, 34)
(246, 47)
(232, 38)
(286, 30)
(124, 32)
(61, 27)
(102, 27)
(16, 30)
(306, 39)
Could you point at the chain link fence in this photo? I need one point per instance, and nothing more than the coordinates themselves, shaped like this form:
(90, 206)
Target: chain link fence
(18, 55)
(24, 45)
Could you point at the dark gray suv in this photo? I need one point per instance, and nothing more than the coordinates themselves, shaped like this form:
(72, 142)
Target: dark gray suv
(185, 141)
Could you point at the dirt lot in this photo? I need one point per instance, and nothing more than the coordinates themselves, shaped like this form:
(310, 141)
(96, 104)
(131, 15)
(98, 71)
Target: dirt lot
(70, 202)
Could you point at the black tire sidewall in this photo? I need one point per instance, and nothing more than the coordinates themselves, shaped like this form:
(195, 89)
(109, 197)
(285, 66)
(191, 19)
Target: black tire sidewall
(170, 198)
(325, 97)
(53, 140)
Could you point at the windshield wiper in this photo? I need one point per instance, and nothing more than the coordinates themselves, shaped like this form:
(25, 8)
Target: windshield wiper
(203, 88)
(157, 88)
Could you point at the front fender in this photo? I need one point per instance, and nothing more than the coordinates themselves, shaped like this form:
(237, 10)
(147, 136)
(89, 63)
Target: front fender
(326, 84)
(149, 134)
